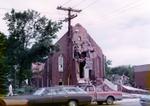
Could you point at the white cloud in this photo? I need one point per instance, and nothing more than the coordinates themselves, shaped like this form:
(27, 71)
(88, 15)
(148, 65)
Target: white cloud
(129, 55)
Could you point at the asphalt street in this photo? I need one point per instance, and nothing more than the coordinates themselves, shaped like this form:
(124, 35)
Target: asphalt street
(124, 102)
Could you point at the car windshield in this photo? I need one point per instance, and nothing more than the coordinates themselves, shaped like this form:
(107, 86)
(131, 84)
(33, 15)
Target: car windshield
(41, 91)
(59, 91)
(72, 90)
(56, 91)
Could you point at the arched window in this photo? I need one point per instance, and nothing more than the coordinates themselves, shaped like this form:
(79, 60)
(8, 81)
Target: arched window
(60, 63)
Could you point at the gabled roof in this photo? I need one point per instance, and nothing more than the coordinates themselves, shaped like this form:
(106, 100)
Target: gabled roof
(79, 30)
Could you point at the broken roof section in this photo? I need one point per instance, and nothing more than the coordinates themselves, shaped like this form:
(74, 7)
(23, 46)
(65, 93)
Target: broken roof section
(82, 41)
(80, 33)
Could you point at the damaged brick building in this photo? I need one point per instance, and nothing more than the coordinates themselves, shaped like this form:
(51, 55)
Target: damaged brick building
(79, 60)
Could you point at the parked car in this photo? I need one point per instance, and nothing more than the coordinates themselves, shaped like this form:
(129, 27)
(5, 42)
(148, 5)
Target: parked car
(145, 100)
(50, 96)
(101, 94)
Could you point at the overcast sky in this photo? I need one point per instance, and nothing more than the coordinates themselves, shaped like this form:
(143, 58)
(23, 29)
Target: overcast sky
(120, 27)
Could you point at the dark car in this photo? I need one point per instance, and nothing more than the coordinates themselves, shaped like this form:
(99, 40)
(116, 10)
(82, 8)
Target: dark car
(145, 100)
(50, 96)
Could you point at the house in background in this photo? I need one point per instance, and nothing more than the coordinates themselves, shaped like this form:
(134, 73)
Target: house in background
(37, 74)
(142, 76)
(119, 79)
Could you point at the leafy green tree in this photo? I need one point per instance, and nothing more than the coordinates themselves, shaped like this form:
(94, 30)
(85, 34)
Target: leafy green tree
(3, 44)
(30, 40)
(3, 66)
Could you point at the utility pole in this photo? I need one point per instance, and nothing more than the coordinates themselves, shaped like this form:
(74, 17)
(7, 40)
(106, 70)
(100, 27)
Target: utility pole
(70, 17)
(69, 45)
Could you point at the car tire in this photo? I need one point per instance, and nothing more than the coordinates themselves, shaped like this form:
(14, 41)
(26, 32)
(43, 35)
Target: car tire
(110, 101)
(99, 102)
(72, 103)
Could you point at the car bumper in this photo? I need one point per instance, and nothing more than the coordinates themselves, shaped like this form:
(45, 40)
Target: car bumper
(15, 102)
(145, 103)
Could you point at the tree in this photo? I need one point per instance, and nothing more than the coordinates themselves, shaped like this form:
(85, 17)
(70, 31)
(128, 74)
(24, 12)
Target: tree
(108, 68)
(3, 44)
(30, 40)
(3, 66)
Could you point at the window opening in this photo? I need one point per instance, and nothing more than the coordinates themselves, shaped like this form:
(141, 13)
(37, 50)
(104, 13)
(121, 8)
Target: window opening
(81, 67)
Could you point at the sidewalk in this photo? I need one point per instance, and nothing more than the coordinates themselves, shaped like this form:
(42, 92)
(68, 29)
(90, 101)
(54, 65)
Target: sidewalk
(131, 96)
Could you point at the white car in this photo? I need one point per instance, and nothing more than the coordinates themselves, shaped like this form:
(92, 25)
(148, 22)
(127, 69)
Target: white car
(145, 100)
(101, 94)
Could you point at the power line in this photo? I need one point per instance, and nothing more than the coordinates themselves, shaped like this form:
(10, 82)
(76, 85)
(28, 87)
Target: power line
(130, 5)
(52, 13)
(81, 1)
(9, 9)
(90, 5)
(66, 2)
(122, 10)
(117, 12)
(125, 7)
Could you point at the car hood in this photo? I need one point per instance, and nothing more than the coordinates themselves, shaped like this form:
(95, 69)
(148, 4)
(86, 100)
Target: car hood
(21, 97)
(16, 100)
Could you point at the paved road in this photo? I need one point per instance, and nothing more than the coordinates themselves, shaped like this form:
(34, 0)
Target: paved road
(125, 102)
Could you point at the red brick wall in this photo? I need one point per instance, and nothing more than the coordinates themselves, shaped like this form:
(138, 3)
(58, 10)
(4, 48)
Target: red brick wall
(140, 79)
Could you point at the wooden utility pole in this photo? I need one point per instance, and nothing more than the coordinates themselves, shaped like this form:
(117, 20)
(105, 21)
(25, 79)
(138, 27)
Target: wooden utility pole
(70, 17)
(69, 44)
